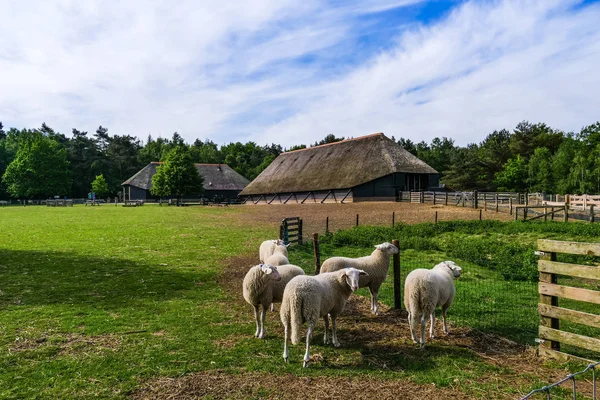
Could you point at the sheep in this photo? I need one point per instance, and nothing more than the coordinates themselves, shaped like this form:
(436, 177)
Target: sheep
(424, 290)
(267, 247)
(263, 285)
(279, 256)
(376, 265)
(308, 298)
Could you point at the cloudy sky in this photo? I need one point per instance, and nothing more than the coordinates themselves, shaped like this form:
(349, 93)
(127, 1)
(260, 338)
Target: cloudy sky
(291, 72)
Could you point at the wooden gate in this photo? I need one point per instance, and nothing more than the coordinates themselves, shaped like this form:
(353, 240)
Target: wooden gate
(550, 291)
(290, 230)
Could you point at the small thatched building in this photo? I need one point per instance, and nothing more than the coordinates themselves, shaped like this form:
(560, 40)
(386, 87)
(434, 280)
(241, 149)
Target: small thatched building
(366, 168)
(220, 182)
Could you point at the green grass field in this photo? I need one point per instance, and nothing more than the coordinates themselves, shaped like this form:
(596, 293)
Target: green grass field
(97, 301)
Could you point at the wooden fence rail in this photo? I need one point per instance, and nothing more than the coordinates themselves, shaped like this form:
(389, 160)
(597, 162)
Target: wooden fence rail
(550, 291)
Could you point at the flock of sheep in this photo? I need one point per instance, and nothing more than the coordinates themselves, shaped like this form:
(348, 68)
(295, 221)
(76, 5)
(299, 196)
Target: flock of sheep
(306, 299)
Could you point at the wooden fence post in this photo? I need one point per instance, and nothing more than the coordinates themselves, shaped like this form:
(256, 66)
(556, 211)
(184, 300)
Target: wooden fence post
(436, 217)
(510, 206)
(326, 225)
(480, 214)
(566, 217)
(485, 202)
(496, 202)
(356, 219)
(317, 253)
(592, 217)
(551, 301)
(446, 203)
(545, 214)
(397, 277)
(516, 213)
(434, 198)
(422, 197)
(475, 199)
(393, 218)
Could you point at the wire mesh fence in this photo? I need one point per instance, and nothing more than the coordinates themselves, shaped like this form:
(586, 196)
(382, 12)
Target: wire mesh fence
(553, 391)
(484, 300)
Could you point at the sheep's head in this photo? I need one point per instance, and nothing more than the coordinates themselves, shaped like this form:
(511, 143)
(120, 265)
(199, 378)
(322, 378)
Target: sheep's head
(455, 269)
(387, 248)
(352, 276)
(271, 271)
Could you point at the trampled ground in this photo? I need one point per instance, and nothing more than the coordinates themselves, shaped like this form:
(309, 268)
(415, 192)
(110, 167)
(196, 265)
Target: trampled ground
(116, 302)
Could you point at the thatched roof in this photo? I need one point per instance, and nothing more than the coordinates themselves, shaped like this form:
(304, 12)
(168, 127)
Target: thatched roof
(340, 165)
(216, 177)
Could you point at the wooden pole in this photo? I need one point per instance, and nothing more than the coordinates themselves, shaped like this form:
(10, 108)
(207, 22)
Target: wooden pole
(566, 217)
(592, 217)
(436, 217)
(446, 203)
(510, 206)
(485, 202)
(317, 253)
(356, 219)
(549, 300)
(300, 231)
(326, 225)
(397, 278)
(434, 198)
(393, 218)
(516, 213)
(496, 202)
(552, 215)
(545, 214)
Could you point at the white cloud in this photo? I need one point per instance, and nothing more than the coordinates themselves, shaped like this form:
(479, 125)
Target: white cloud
(231, 70)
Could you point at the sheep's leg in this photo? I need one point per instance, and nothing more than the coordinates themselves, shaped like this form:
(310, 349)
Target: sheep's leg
(272, 307)
(307, 354)
(286, 330)
(374, 300)
(432, 325)
(257, 321)
(335, 340)
(263, 315)
(444, 316)
(414, 324)
(326, 336)
(422, 338)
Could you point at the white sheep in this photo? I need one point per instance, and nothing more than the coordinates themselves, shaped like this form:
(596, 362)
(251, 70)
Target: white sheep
(376, 265)
(267, 247)
(308, 298)
(279, 256)
(264, 285)
(426, 289)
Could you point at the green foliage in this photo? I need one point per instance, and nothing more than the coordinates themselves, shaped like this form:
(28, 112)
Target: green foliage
(488, 243)
(540, 171)
(99, 185)
(40, 169)
(513, 177)
(178, 175)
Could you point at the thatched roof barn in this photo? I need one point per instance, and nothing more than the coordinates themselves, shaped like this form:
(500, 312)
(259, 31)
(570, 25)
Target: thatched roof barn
(369, 167)
(220, 181)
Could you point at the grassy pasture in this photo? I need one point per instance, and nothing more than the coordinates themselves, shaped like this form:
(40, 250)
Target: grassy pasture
(97, 302)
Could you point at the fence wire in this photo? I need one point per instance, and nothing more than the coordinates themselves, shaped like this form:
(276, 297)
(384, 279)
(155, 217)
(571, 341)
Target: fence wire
(546, 389)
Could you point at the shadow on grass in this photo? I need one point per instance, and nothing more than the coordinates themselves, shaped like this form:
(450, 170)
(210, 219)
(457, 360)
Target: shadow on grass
(32, 278)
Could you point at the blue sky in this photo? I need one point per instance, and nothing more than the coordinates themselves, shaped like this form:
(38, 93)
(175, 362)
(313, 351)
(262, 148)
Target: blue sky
(291, 72)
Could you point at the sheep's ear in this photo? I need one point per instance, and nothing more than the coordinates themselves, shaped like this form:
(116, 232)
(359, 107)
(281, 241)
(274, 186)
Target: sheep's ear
(361, 272)
(266, 269)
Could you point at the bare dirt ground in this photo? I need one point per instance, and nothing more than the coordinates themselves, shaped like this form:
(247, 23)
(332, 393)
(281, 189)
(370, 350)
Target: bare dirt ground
(370, 213)
(385, 338)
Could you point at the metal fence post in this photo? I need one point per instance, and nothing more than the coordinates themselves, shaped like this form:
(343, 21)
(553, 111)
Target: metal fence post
(397, 277)
(317, 253)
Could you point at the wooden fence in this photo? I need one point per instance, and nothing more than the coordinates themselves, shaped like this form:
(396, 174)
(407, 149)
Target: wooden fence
(550, 291)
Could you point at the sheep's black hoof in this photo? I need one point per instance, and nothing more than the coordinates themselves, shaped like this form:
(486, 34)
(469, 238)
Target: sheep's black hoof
(304, 364)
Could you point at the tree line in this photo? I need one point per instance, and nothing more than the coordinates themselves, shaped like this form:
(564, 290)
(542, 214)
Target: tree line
(40, 163)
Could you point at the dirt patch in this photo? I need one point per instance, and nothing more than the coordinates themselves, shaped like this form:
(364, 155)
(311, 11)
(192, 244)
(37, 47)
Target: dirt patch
(220, 385)
(70, 344)
(342, 216)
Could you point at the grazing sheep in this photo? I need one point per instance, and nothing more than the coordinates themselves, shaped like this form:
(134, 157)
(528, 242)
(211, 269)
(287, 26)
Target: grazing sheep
(263, 285)
(376, 265)
(267, 248)
(426, 289)
(308, 298)
(279, 256)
